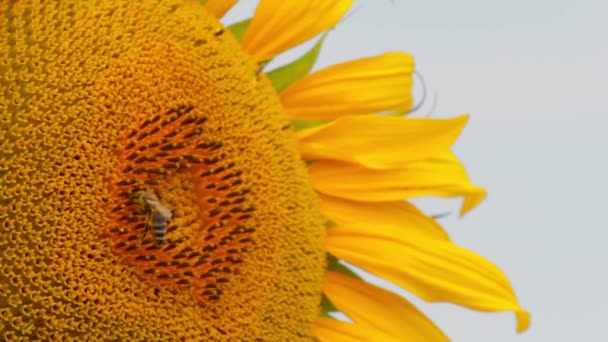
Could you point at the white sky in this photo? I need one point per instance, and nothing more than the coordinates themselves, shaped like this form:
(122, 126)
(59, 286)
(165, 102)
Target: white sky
(532, 74)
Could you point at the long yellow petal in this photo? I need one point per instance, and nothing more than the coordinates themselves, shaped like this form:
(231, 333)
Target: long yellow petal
(441, 176)
(434, 270)
(279, 25)
(332, 330)
(379, 310)
(219, 7)
(369, 85)
(377, 214)
(380, 142)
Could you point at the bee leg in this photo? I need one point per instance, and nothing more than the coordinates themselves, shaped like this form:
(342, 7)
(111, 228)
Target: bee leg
(146, 227)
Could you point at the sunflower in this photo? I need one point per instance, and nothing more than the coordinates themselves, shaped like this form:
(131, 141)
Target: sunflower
(158, 183)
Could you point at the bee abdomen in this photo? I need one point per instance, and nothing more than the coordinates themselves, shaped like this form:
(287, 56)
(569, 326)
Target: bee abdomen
(159, 227)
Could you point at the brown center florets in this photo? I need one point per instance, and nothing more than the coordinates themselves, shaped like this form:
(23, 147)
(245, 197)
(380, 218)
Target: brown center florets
(207, 232)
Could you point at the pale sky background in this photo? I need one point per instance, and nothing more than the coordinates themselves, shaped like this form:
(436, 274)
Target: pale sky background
(533, 76)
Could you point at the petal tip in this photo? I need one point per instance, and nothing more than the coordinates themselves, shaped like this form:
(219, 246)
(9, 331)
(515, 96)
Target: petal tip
(523, 320)
(463, 119)
(471, 201)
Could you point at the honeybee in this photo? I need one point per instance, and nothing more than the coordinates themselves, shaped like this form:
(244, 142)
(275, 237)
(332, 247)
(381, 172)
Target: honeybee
(157, 216)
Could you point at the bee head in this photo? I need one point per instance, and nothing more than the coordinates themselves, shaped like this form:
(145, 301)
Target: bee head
(149, 197)
(139, 197)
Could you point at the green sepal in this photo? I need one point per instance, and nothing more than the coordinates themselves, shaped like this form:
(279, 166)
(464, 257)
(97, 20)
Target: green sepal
(330, 224)
(239, 29)
(299, 125)
(286, 75)
(326, 306)
(334, 264)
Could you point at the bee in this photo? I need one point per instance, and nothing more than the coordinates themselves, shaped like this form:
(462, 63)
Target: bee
(157, 217)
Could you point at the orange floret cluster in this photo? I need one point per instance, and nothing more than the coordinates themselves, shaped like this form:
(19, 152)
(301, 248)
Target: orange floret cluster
(102, 100)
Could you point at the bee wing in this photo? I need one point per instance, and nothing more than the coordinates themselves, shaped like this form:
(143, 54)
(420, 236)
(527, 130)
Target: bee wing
(164, 211)
(149, 198)
(160, 208)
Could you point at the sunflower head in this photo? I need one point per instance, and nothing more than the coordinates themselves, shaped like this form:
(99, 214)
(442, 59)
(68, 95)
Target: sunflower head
(159, 184)
(117, 113)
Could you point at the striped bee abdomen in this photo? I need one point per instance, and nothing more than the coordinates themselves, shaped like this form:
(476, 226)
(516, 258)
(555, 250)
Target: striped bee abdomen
(157, 216)
(159, 227)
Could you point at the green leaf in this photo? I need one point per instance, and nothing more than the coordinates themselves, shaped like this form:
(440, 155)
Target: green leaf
(239, 29)
(286, 75)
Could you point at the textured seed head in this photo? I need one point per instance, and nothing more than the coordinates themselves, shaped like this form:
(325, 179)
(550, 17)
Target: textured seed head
(102, 100)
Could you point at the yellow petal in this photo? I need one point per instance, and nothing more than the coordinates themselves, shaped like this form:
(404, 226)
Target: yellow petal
(377, 214)
(441, 176)
(279, 25)
(369, 85)
(379, 310)
(219, 7)
(332, 330)
(434, 270)
(378, 141)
